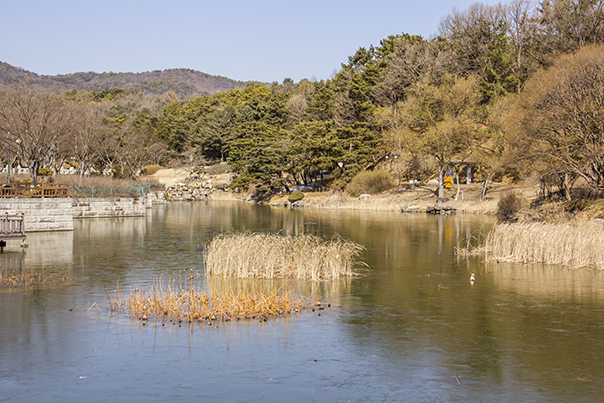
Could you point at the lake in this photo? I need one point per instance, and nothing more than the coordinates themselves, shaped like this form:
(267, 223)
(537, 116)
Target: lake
(411, 328)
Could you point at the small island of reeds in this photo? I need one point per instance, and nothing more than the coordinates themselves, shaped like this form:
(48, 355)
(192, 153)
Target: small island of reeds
(262, 255)
(173, 301)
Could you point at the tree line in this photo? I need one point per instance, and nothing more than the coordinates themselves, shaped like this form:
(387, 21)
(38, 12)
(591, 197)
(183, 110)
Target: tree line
(512, 90)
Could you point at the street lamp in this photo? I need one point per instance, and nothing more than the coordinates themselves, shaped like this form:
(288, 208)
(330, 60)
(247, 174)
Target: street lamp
(8, 152)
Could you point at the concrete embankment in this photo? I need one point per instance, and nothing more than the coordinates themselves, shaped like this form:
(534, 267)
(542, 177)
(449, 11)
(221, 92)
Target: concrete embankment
(57, 214)
(41, 214)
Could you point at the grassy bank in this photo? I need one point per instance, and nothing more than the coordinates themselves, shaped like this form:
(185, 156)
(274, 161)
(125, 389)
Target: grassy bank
(303, 257)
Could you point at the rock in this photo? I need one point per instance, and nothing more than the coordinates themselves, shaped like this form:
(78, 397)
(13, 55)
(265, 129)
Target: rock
(190, 192)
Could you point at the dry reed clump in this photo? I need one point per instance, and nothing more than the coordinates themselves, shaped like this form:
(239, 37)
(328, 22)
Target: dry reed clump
(169, 300)
(574, 243)
(28, 279)
(302, 257)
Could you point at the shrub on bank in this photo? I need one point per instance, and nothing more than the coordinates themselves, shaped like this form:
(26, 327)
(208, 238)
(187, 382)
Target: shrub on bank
(45, 172)
(150, 169)
(371, 182)
(509, 205)
(295, 196)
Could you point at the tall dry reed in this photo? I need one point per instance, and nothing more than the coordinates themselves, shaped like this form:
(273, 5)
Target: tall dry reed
(176, 300)
(574, 243)
(302, 257)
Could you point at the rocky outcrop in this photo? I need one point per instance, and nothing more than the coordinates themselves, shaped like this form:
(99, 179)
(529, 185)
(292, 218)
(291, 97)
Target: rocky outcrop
(189, 191)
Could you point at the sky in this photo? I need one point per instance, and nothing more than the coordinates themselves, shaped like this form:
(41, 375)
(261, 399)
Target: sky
(253, 40)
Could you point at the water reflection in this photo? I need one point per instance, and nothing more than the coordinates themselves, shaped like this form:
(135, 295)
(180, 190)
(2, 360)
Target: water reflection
(412, 328)
(45, 250)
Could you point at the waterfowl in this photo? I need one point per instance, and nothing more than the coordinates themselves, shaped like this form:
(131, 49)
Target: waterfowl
(472, 278)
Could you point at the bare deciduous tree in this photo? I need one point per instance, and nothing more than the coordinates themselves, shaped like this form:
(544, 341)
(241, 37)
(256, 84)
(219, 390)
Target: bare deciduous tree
(38, 122)
(87, 136)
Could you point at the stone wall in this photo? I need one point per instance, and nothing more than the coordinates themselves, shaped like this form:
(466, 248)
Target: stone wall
(158, 197)
(189, 191)
(110, 207)
(41, 214)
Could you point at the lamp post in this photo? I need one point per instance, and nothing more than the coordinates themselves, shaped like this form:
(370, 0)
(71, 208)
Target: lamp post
(8, 155)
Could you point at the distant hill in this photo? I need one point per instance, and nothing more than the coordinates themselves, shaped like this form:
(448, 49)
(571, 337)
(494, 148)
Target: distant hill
(184, 82)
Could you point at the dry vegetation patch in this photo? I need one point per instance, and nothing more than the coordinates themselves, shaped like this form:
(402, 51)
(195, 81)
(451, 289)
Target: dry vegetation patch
(302, 257)
(574, 244)
(11, 279)
(174, 301)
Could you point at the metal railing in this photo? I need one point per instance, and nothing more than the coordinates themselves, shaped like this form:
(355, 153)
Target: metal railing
(12, 226)
(50, 190)
(114, 191)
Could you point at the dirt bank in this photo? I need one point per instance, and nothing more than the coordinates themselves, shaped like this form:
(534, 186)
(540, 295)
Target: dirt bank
(418, 199)
(171, 176)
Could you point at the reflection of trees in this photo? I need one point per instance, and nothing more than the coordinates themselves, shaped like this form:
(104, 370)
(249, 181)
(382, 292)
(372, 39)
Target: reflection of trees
(503, 327)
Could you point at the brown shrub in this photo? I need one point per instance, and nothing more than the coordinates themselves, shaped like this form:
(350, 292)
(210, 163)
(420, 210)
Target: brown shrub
(509, 205)
(371, 182)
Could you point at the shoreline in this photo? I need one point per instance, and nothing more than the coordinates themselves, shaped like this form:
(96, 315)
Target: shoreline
(419, 200)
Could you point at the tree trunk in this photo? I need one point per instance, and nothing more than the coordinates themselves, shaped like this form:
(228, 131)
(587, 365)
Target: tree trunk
(441, 189)
(33, 171)
(566, 187)
(483, 193)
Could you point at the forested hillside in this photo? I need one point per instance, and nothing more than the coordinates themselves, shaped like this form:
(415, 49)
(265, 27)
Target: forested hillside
(511, 91)
(183, 82)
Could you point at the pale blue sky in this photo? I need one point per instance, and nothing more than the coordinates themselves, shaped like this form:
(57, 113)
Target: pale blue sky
(263, 40)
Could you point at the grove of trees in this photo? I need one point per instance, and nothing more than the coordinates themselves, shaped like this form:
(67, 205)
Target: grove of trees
(512, 90)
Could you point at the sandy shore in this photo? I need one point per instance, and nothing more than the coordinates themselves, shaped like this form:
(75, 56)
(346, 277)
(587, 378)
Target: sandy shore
(419, 199)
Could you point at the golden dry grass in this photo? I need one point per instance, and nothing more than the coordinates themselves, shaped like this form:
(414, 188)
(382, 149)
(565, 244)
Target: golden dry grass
(175, 301)
(575, 244)
(12, 279)
(302, 257)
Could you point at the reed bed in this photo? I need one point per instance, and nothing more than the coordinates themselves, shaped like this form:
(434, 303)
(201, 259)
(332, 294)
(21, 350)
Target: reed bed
(574, 243)
(28, 279)
(176, 301)
(302, 257)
